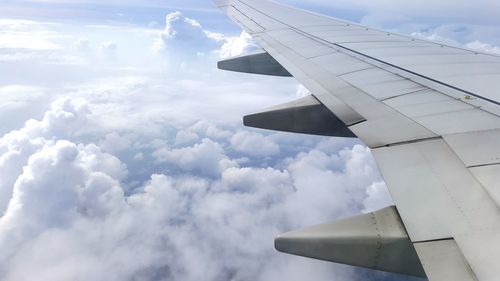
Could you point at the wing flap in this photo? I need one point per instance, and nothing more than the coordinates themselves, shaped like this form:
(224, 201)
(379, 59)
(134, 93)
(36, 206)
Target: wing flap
(485, 151)
(430, 173)
(444, 261)
(489, 177)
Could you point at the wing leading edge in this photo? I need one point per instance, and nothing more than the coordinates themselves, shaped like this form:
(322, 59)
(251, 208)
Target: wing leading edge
(429, 112)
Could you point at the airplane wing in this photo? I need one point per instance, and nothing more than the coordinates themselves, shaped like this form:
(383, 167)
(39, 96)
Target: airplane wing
(430, 114)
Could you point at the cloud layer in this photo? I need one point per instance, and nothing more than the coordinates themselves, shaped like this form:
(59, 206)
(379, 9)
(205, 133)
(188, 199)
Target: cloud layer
(67, 213)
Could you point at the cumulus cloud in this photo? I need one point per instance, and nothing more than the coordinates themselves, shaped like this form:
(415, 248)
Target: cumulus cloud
(235, 46)
(206, 158)
(188, 35)
(186, 137)
(210, 130)
(182, 33)
(69, 215)
(254, 144)
(332, 184)
(62, 121)
(377, 198)
(114, 142)
(47, 182)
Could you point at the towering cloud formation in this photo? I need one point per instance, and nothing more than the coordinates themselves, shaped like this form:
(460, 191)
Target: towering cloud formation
(186, 36)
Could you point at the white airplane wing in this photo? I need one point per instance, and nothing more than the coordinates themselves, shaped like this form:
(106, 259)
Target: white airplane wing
(430, 114)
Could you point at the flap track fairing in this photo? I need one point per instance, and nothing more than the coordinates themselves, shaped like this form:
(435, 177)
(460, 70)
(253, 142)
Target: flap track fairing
(261, 63)
(376, 240)
(305, 116)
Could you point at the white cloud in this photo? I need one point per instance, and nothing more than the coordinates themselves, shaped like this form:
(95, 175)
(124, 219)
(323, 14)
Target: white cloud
(63, 120)
(26, 34)
(235, 46)
(185, 137)
(328, 185)
(254, 144)
(378, 197)
(18, 146)
(182, 33)
(19, 103)
(59, 183)
(114, 142)
(39, 56)
(70, 215)
(435, 36)
(483, 47)
(208, 129)
(206, 158)
(92, 157)
(33, 41)
(186, 36)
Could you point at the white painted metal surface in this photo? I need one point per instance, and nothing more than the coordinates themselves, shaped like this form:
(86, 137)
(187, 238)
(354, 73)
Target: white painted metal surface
(480, 248)
(429, 109)
(489, 177)
(439, 198)
(339, 63)
(430, 112)
(478, 148)
(381, 84)
(443, 261)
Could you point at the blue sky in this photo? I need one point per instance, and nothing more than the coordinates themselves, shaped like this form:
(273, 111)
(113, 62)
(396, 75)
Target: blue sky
(123, 157)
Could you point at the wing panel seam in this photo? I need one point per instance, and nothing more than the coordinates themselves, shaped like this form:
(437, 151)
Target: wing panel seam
(433, 240)
(315, 38)
(407, 142)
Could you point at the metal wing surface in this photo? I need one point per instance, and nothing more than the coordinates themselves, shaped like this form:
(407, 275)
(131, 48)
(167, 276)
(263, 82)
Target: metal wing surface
(429, 112)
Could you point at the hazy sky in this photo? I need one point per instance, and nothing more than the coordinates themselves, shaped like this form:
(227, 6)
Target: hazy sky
(123, 157)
